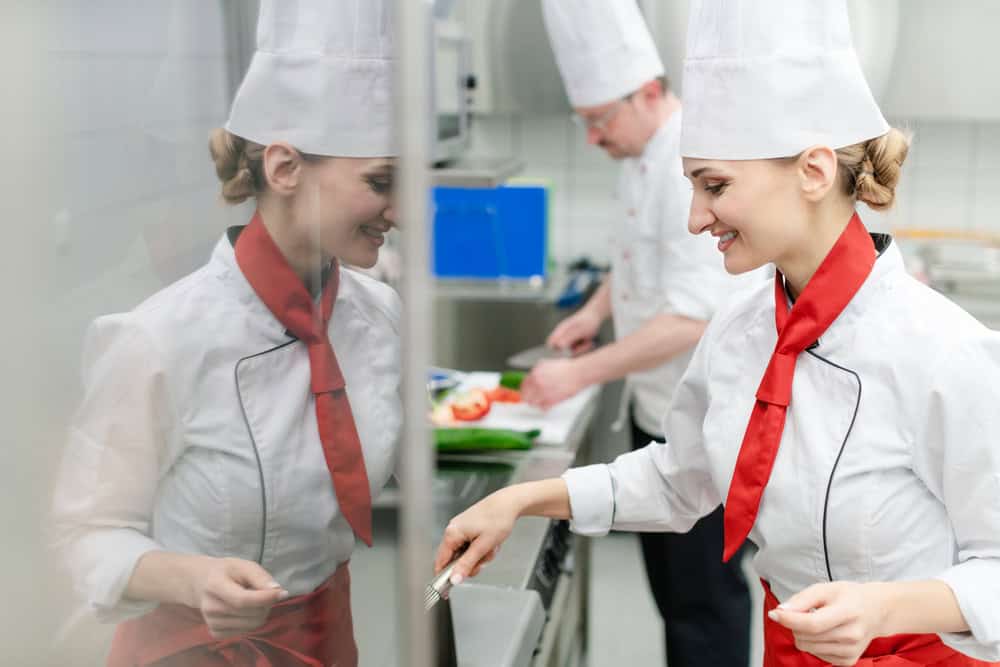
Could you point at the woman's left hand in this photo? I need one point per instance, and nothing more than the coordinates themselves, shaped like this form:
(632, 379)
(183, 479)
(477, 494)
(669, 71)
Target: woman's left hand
(834, 622)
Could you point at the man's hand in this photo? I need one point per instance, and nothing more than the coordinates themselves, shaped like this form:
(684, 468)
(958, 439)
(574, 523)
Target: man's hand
(552, 381)
(576, 333)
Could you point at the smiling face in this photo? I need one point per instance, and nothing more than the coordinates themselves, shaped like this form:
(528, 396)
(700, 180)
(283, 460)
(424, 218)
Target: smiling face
(345, 206)
(754, 208)
(318, 207)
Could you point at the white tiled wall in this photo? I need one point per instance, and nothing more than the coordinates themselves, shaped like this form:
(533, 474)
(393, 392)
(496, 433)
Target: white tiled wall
(581, 178)
(951, 179)
(106, 120)
(127, 94)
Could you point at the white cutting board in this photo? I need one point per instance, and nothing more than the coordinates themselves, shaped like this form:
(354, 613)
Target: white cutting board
(554, 423)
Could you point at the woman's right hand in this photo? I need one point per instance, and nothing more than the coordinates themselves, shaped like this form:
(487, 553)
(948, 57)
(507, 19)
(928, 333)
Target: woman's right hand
(481, 529)
(234, 595)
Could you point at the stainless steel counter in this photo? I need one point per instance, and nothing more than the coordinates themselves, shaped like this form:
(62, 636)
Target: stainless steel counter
(544, 290)
(498, 617)
(513, 565)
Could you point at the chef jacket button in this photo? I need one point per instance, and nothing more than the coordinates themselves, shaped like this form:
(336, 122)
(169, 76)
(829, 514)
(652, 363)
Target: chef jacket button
(631, 213)
(626, 255)
(642, 168)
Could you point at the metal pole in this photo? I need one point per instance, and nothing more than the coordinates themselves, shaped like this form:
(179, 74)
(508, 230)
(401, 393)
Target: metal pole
(416, 457)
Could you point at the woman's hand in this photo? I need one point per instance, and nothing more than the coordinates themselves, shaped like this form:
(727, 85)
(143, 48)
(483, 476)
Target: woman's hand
(481, 529)
(835, 622)
(234, 595)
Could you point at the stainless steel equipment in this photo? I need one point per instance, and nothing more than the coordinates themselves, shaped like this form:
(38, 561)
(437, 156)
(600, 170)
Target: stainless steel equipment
(526, 359)
(451, 84)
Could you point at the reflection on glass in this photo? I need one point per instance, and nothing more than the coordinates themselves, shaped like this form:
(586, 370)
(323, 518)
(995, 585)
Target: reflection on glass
(236, 426)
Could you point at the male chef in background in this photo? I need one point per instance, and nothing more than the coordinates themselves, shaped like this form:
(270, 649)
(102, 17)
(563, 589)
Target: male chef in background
(664, 286)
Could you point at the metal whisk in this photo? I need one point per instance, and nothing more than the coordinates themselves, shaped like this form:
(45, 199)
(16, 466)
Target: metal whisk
(440, 584)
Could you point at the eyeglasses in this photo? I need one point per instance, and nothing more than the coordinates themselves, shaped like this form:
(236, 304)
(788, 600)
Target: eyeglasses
(601, 122)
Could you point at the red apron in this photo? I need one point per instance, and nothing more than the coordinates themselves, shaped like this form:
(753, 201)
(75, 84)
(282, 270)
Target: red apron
(311, 630)
(894, 651)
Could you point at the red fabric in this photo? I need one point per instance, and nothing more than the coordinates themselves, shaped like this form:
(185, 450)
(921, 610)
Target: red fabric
(312, 630)
(834, 284)
(282, 291)
(894, 651)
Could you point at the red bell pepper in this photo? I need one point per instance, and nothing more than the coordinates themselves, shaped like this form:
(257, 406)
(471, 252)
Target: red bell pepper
(470, 406)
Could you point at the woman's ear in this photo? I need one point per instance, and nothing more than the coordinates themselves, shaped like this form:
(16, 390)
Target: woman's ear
(817, 171)
(282, 168)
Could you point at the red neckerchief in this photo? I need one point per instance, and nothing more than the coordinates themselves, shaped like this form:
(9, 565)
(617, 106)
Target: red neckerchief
(835, 283)
(283, 292)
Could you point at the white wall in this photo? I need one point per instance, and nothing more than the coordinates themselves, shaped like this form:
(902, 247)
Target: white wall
(581, 179)
(108, 105)
(943, 83)
(947, 63)
(949, 179)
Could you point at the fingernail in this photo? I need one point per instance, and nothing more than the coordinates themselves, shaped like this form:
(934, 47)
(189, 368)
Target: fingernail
(283, 595)
(782, 607)
(456, 579)
(274, 584)
(773, 615)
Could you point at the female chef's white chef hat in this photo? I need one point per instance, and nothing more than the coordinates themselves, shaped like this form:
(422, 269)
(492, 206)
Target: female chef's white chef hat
(769, 78)
(321, 79)
(603, 49)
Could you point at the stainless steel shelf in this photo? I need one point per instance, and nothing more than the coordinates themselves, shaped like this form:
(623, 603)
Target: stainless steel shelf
(477, 172)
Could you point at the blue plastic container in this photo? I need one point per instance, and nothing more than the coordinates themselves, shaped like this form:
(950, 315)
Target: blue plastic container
(489, 233)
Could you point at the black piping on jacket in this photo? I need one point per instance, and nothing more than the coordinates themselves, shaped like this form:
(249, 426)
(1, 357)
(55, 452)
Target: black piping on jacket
(256, 452)
(843, 445)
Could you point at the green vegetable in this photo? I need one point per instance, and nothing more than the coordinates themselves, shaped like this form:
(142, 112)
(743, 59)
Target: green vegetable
(472, 439)
(512, 379)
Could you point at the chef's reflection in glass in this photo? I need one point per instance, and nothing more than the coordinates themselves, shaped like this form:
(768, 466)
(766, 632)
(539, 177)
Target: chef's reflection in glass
(844, 412)
(236, 425)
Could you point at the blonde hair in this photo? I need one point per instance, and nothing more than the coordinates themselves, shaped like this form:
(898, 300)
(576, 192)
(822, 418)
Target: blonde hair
(239, 165)
(870, 170)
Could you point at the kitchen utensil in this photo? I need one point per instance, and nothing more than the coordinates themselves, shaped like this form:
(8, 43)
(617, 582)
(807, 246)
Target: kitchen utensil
(440, 584)
(526, 359)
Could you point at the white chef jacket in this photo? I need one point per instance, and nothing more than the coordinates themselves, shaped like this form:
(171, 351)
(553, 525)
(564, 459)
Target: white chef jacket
(197, 434)
(888, 467)
(658, 266)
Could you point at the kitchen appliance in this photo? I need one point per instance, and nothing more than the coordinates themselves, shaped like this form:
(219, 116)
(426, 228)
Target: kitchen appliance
(450, 88)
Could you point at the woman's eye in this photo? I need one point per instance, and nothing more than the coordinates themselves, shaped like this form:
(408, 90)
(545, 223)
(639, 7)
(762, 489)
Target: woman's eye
(716, 189)
(380, 185)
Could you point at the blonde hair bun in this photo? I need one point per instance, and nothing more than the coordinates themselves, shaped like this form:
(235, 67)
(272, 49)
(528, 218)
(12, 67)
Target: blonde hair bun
(870, 170)
(237, 164)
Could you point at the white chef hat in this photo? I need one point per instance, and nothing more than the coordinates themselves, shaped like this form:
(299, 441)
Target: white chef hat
(603, 48)
(769, 78)
(321, 79)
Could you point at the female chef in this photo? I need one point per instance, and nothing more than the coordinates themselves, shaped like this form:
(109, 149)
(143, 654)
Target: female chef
(236, 425)
(879, 527)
